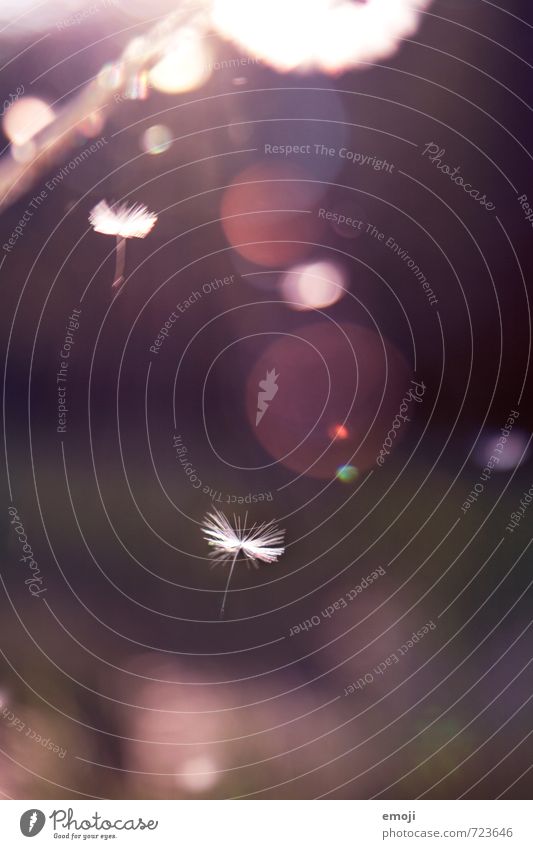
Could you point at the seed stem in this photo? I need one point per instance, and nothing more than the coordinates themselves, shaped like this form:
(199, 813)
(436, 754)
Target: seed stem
(228, 583)
(119, 264)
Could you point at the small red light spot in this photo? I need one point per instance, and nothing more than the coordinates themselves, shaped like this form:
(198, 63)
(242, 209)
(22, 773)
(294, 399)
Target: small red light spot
(338, 432)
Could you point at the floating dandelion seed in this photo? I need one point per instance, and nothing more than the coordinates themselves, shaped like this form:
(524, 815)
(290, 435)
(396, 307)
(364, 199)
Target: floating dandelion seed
(124, 222)
(260, 542)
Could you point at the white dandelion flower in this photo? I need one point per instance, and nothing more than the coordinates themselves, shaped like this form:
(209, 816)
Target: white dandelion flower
(124, 222)
(261, 542)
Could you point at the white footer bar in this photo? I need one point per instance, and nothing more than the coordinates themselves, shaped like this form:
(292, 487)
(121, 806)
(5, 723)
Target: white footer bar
(268, 824)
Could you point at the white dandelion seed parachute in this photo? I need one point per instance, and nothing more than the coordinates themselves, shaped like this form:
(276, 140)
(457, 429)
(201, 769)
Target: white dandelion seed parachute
(128, 222)
(124, 222)
(262, 542)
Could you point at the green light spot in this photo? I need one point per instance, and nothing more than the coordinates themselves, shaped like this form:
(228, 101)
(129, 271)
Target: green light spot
(346, 474)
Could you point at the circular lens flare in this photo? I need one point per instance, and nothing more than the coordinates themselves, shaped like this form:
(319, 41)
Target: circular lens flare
(25, 118)
(156, 139)
(346, 474)
(507, 450)
(198, 775)
(338, 431)
(264, 214)
(339, 387)
(313, 286)
(185, 67)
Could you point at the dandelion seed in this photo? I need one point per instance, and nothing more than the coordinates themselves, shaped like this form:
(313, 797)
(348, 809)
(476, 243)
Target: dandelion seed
(261, 542)
(124, 222)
